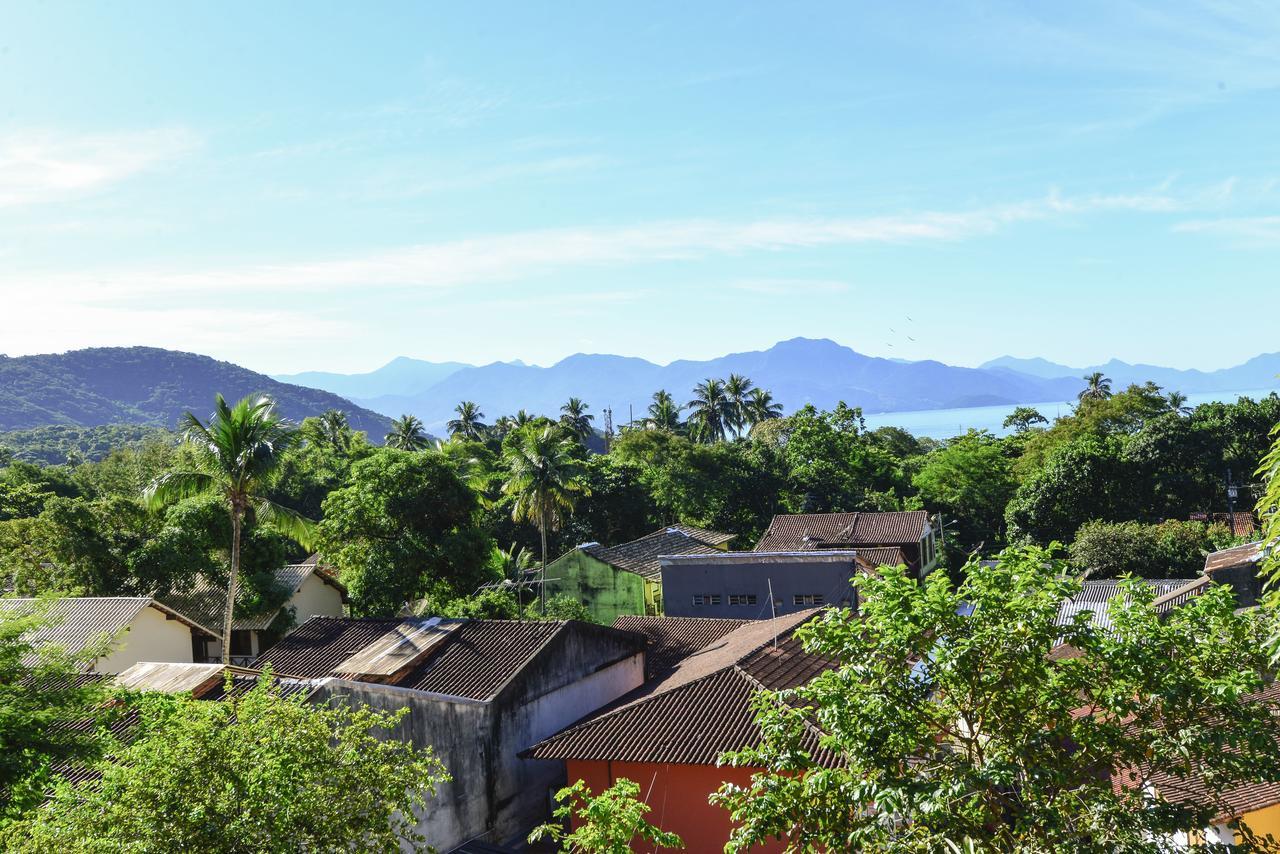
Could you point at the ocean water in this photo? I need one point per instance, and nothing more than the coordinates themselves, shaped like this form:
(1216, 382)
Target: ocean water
(945, 423)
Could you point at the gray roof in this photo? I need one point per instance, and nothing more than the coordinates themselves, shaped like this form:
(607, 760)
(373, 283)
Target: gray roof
(641, 556)
(1095, 594)
(78, 622)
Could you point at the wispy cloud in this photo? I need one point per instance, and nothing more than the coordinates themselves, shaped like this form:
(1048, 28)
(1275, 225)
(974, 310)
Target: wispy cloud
(42, 166)
(790, 287)
(1249, 231)
(509, 257)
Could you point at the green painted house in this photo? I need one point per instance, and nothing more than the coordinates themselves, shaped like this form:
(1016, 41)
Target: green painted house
(627, 578)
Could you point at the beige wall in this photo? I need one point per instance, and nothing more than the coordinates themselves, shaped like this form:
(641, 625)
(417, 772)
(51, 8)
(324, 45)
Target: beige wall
(150, 637)
(315, 599)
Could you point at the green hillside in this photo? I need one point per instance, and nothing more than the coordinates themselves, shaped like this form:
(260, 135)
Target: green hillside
(145, 385)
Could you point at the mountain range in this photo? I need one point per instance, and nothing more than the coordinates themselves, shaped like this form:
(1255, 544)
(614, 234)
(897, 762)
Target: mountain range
(146, 385)
(797, 372)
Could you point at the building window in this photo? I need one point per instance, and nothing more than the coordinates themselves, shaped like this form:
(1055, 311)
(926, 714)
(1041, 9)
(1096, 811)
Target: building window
(706, 598)
(742, 598)
(807, 599)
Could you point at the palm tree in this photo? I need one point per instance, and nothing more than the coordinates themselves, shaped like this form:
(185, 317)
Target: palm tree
(235, 456)
(664, 414)
(468, 424)
(710, 411)
(522, 418)
(1097, 387)
(1178, 403)
(545, 479)
(513, 562)
(330, 428)
(407, 434)
(760, 408)
(575, 418)
(736, 389)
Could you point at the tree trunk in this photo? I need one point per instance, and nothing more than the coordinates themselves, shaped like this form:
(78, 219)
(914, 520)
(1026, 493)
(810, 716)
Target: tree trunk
(542, 582)
(236, 518)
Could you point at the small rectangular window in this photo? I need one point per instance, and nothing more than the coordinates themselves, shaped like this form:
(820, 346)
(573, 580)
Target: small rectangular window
(742, 598)
(706, 598)
(807, 599)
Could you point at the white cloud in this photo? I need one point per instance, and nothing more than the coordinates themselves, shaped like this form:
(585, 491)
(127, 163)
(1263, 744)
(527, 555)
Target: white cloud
(1253, 231)
(37, 167)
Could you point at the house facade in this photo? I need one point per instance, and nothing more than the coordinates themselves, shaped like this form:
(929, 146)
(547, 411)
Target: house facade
(1238, 568)
(905, 536)
(612, 581)
(757, 585)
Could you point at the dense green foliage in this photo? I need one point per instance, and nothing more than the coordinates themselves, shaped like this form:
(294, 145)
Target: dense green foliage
(48, 714)
(218, 776)
(58, 444)
(607, 823)
(1169, 549)
(957, 726)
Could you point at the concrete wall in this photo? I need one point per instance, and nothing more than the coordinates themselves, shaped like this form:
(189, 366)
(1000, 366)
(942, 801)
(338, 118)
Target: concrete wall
(315, 598)
(152, 636)
(789, 576)
(607, 592)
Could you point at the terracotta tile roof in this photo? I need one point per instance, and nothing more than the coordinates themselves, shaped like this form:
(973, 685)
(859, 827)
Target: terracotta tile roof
(474, 661)
(77, 622)
(673, 639)
(204, 601)
(803, 531)
(641, 556)
(711, 538)
(1245, 555)
(1096, 594)
(874, 557)
(702, 707)
(1242, 523)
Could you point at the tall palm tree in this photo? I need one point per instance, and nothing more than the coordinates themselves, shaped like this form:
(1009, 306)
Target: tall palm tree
(235, 455)
(522, 418)
(513, 562)
(1097, 387)
(737, 388)
(1178, 403)
(407, 433)
(331, 429)
(545, 478)
(468, 424)
(710, 411)
(761, 408)
(664, 413)
(573, 415)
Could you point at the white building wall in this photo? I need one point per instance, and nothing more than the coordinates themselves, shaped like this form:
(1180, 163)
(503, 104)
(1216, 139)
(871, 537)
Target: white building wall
(151, 636)
(315, 598)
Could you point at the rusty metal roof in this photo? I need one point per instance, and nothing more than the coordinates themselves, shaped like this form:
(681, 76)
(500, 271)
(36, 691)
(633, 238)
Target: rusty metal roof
(641, 556)
(802, 531)
(400, 648)
(1245, 555)
(701, 708)
(475, 660)
(673, 639)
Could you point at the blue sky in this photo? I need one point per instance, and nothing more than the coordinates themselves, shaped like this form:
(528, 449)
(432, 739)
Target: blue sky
(295, 186)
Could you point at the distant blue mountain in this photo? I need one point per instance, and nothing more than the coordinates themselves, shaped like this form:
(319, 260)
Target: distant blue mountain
(797, 372)
(1257, 373)
(399, 376)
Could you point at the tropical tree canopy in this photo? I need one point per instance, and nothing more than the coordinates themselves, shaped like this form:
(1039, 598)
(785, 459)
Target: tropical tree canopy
(663, 412)
(711, 411)
(574, 417)
(469, 424)
(1097, 387)
(957, 726)
(407, 434)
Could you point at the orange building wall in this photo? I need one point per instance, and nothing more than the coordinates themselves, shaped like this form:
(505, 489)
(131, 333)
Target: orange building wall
(1264, 821)
(677, 795)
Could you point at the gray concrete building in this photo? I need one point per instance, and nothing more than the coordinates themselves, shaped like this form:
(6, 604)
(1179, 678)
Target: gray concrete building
(756, 585)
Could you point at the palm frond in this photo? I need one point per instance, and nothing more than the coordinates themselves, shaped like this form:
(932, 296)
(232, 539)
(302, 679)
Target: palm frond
(176, 485)
(286, 521)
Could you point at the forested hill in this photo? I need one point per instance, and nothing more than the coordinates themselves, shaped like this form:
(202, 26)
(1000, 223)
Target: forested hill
(146, 385)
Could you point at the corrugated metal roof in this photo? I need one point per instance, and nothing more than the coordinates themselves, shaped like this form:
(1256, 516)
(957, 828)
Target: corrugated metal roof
(78, 622)
(400, 648)
(701, 708)
(475, 661)
(641, 556)
(1245, 555)
(673, 639)
(1181, 595)
(801, 531)
(1095, 594)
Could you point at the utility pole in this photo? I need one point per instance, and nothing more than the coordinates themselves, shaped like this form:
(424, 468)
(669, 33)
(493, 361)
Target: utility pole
(1232, 493)
(608, 428)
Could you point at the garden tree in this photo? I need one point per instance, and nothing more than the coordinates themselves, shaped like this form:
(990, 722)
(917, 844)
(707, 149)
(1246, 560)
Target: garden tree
(469, 424)
(620, 508)
(1169, 549)
(562, 606)
(407, 434)
(738, 389)
(1122, 414)
(1268, 509)
(831, 464)
(663, 413)
(220, 776)
(1097, 387)
(970, 481)
(319, 464)
(574, 418)
(1083, 480)
(48, 714)
(126, 471)
(711, 411)
(236, 456)
(607, 823)
(760, 407)
(24, 488)
(957, 728)
(545, 478)
(404, 527)
(1023, 418)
